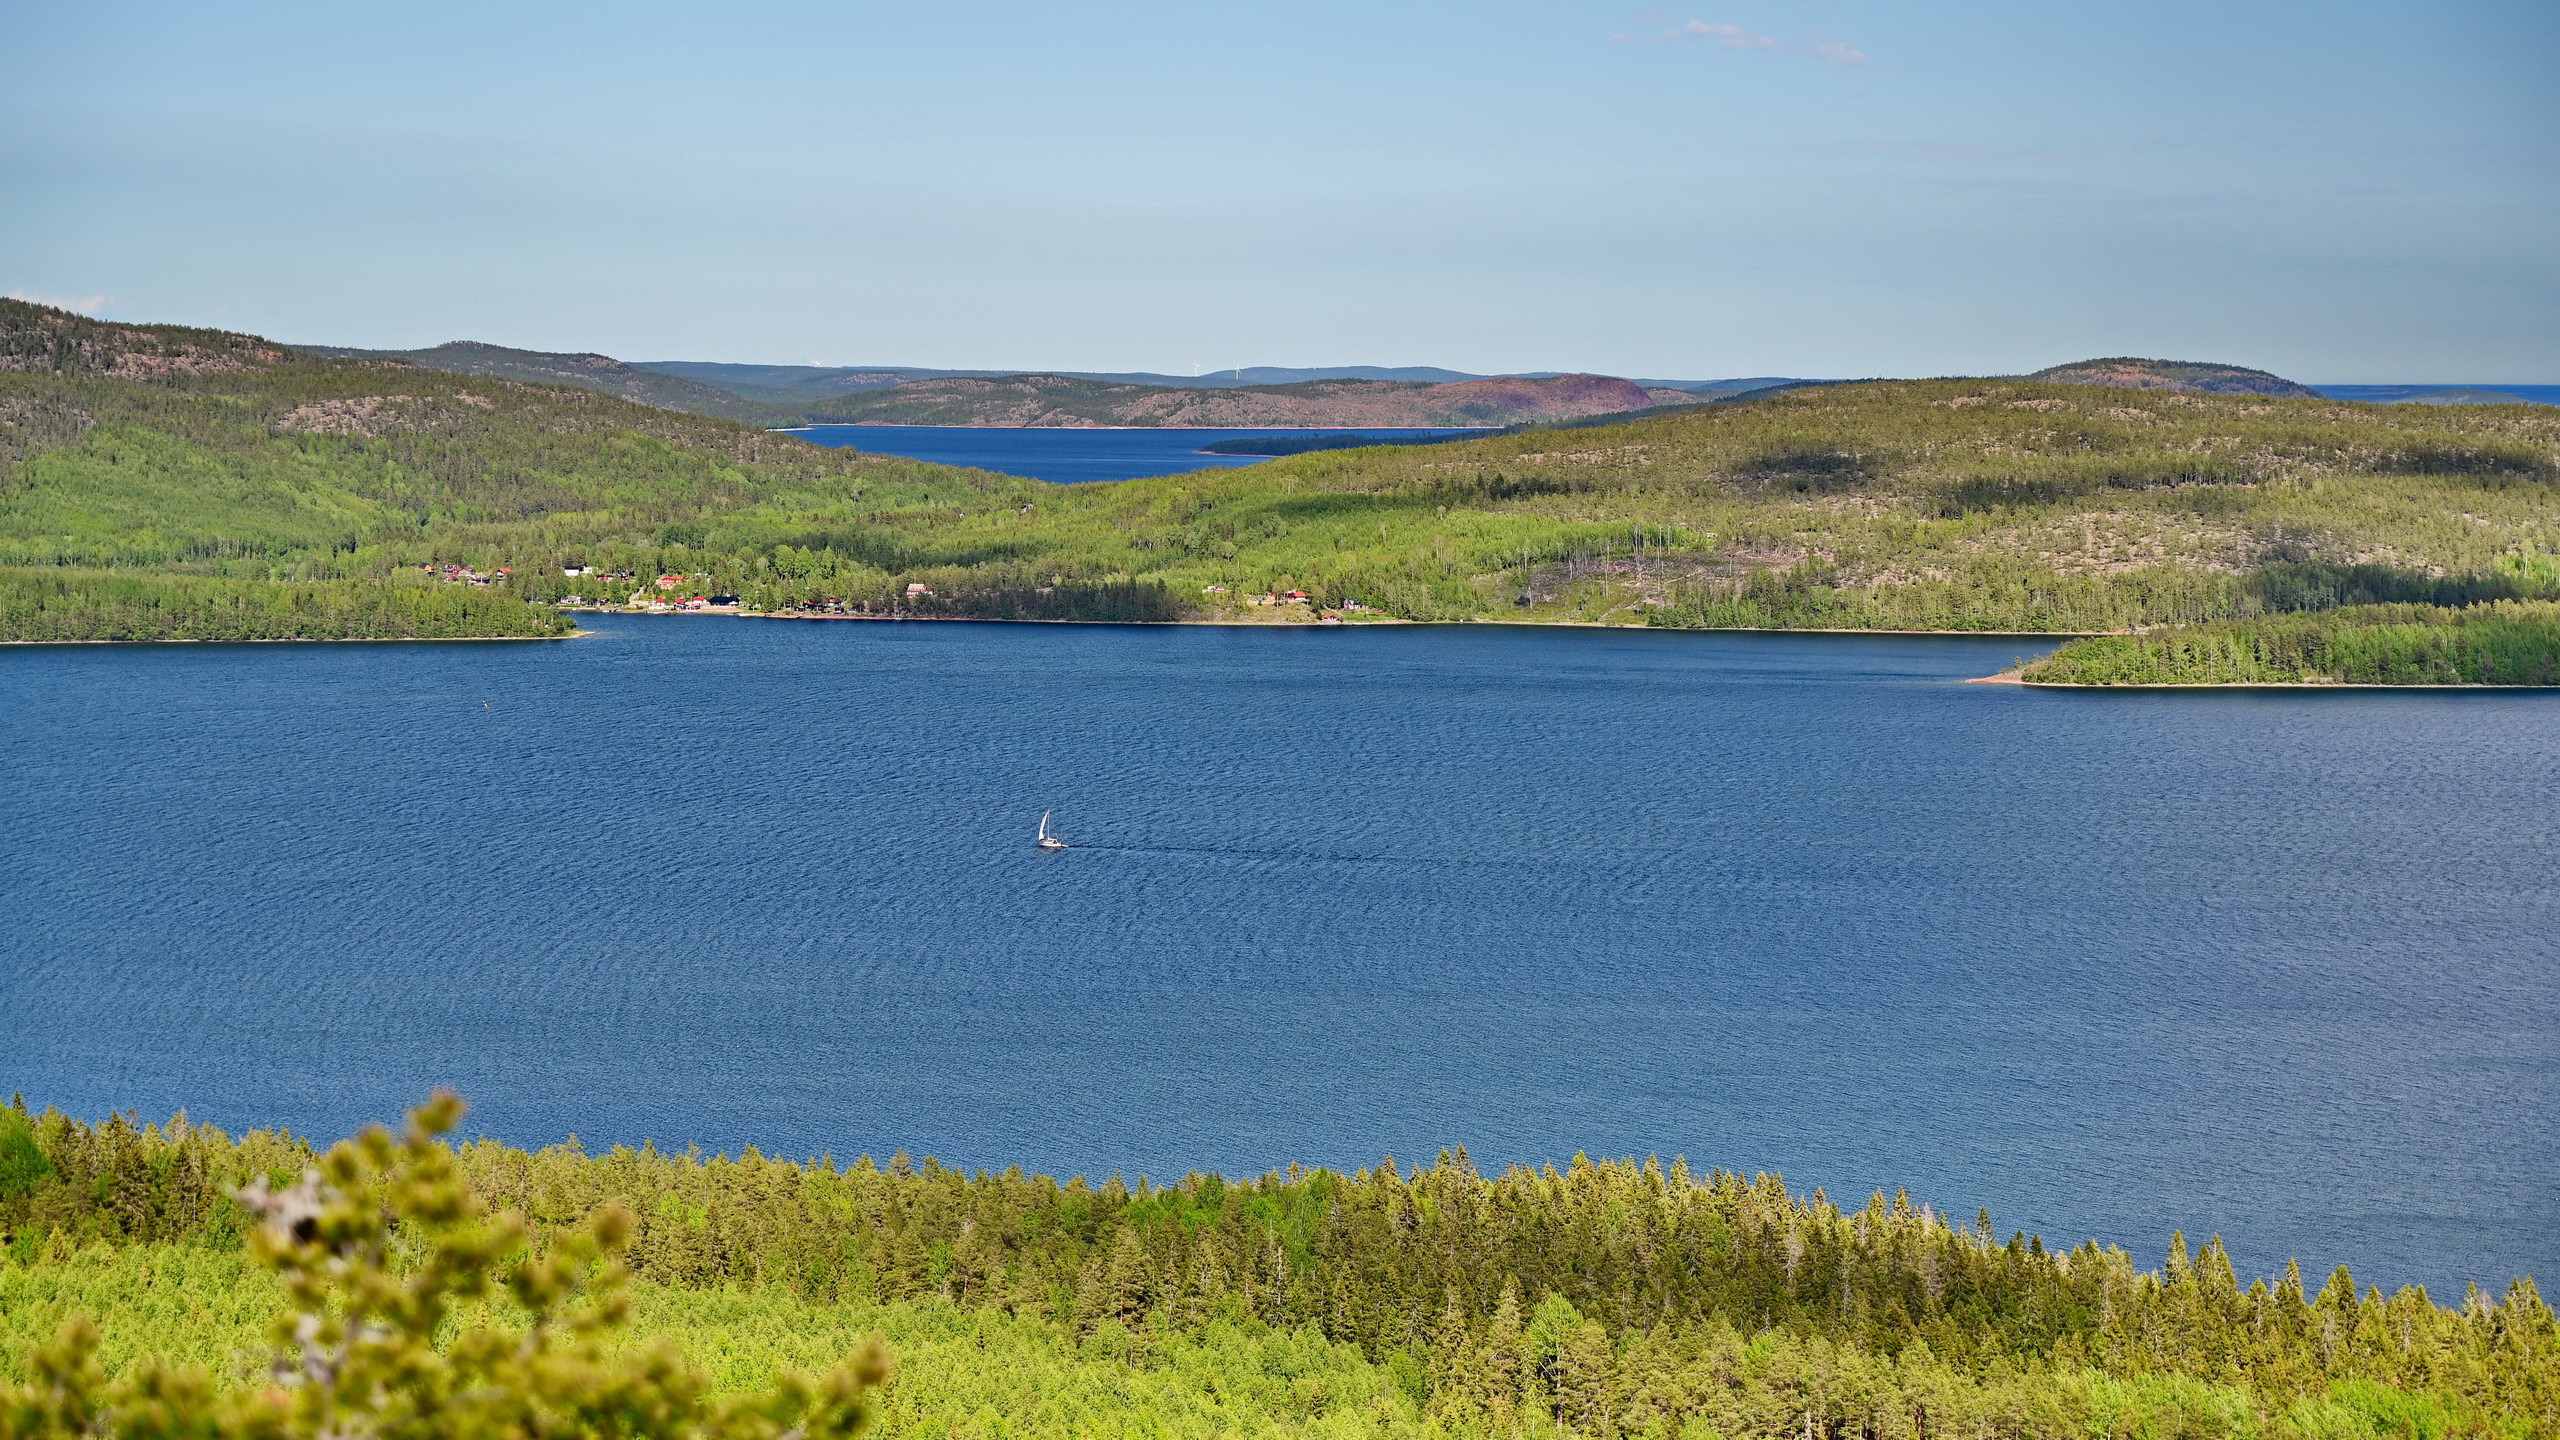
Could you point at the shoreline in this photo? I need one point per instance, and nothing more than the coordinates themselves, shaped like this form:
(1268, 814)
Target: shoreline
(1242, 623)
(1239, 429)
(319, 640)
(2018, 678)
(2006, 677)
(2011, 677)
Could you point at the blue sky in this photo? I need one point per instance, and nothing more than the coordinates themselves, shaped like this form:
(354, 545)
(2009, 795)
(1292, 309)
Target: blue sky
(2345, 191)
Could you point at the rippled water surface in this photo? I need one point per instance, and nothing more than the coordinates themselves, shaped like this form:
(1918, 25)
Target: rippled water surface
(2277, 966)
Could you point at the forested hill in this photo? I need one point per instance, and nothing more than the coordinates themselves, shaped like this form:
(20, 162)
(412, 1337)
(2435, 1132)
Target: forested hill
(1060, 401)
(2190, 376)
(586, 371)
(162, 482)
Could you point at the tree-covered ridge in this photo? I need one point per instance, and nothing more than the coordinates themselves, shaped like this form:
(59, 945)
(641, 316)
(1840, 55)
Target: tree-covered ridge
(2507, 642)
(1019, 399)
(2134, 373)
(262, 467)
(1958, 505)
(38, 339)
(1612, 1298)
(584, 370)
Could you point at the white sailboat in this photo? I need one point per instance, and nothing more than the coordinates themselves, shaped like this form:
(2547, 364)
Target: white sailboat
(1047, 841)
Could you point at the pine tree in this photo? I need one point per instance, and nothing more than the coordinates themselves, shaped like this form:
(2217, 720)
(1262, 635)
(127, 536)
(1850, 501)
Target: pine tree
(1129, 1283)
(1502, 1355)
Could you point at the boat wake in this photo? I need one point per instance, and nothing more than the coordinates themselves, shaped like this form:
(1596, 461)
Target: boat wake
(1246, 851)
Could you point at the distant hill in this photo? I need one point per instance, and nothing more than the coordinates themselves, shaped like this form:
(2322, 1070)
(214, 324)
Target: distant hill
(40, 340)
(791, 394)
(791, 383)
(2193, 376)
(1059, 401)
(585, 370)
(799, 384)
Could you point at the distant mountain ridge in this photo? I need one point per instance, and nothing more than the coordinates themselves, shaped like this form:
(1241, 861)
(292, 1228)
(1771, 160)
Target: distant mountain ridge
(1320, 396)
(1066, 402)
(794, 382)
(783, 395)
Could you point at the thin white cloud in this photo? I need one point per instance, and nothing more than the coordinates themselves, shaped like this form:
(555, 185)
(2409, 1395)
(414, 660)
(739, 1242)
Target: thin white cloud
(1731, 37)
(1660, 30)
(89, 306)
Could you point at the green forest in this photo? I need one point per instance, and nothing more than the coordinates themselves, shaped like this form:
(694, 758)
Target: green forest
(158, 482)
(64, 603)
(1967, 505)
(1610, 1298)
(2506, 642)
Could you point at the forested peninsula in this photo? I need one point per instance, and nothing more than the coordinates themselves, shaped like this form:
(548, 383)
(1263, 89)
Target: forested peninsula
(1597, 1299)
(2506, 642)
(157, 482)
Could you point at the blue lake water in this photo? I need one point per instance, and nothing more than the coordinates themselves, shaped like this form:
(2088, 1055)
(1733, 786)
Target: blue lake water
(2535, 394)
(2278, 966)
(1065, 457)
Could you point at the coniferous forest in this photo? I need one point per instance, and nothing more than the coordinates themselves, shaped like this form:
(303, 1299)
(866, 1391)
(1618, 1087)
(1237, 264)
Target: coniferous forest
(1614, 1298)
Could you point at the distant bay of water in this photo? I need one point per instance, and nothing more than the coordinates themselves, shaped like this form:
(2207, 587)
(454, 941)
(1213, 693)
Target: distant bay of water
(2279, 966)
(1072, 456)
(2535, 394)
(1065, 457)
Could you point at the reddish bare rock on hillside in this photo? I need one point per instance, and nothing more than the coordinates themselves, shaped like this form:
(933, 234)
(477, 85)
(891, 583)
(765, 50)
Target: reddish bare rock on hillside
(1057, 401)
(40, 339)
